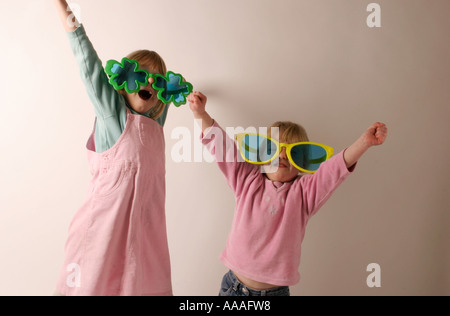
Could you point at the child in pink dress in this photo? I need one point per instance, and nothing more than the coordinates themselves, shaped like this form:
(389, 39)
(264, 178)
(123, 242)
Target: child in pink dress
(117, 241)
(272, 208)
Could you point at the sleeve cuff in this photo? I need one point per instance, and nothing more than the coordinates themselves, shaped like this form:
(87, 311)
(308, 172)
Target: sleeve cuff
(78, 32)
(206, 135)
(351, 168)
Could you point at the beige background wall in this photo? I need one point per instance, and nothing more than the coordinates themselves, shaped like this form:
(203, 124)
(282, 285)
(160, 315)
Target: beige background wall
(315, 62)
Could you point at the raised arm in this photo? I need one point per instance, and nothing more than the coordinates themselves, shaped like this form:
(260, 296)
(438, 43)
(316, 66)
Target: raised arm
(221, 146)
(109, 105)
(318, 187)
(68, 20)
(373, 136)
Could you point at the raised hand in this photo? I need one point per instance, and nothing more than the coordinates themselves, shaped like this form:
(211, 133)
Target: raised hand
(375, 135)
(66, 15)
(197, 102)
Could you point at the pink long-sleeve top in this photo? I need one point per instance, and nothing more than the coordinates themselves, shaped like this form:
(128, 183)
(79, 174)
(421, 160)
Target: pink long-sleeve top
(270, 218)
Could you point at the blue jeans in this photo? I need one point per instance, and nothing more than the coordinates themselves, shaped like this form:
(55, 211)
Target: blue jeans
(231, 286)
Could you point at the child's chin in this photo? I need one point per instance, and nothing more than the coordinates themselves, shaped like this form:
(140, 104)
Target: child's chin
(141, 106)
(280, 174)
(269, 169)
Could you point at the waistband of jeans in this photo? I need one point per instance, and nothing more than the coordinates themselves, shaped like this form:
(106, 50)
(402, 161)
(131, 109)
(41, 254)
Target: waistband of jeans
(238, 284)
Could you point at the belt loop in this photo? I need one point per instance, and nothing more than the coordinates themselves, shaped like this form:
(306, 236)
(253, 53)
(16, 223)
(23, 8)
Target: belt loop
(263, 292)
(236, 285)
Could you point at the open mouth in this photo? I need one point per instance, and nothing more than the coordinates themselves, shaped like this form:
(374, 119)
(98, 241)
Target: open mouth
(145, 95)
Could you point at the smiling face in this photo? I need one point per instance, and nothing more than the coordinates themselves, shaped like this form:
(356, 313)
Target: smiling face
(284, 172)
(147, 98)
(289, 133)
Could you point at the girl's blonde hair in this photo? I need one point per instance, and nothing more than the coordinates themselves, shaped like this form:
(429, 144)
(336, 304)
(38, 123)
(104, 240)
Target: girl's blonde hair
(157, 65)
(290, 132)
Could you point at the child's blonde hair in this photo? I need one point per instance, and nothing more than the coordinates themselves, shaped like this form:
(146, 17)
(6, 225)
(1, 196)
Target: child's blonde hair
(154, 61)
(290, 132)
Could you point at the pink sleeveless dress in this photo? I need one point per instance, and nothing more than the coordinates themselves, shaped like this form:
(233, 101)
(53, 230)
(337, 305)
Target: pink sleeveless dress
(117, 242)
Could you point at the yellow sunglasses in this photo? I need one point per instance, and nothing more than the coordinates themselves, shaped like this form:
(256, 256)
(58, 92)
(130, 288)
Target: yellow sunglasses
(260, 150)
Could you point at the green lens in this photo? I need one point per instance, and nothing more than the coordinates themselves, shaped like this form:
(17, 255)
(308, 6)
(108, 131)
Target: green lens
(308, 156)
(257, 149)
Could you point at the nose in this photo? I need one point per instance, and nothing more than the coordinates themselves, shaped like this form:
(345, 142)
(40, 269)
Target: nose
(283, 153)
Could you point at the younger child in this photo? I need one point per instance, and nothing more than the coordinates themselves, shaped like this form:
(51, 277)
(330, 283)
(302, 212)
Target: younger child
(272, 208)
(117, 243)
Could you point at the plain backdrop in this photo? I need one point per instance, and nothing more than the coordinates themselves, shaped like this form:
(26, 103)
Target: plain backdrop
(315, 62)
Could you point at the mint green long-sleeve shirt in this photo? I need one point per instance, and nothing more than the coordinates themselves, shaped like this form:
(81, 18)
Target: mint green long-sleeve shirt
(110, 107)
